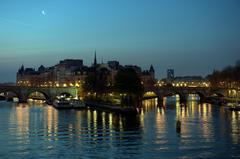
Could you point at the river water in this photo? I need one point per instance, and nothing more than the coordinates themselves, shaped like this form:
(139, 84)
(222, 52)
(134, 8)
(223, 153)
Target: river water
(41, 131)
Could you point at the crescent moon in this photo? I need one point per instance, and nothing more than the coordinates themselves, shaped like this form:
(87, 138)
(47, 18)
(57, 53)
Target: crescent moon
(43, 12)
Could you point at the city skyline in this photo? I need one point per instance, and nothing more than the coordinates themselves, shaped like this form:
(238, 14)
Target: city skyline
(192, 37)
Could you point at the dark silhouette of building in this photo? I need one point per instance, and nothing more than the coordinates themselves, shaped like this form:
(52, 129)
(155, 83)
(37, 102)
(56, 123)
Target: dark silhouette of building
(148, 78)
(113, 64)
(170, 74)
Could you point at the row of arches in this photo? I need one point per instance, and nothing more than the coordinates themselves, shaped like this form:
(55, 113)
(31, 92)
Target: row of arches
(181, 96)
(34, 95)
(172, 100)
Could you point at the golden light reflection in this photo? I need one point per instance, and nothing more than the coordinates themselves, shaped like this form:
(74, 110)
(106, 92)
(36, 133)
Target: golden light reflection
(142, 118)
(181, 111)
(160, 122)
(78, 122)
(205, 111)
(110, 116)
(52, 123)
(164, 101)
(89, 121)
(104, 123)
(95, 124)
(182, 115)
(178, 111)
(235, 125)
(149, 103)
(22, 115)
(192, 106)
(70, 130)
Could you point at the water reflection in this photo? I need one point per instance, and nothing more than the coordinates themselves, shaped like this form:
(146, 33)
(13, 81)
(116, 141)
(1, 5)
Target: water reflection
(51, 123)
(40, 131)
(161, 126)
(20, 118)
(200, 121)
(235, 125)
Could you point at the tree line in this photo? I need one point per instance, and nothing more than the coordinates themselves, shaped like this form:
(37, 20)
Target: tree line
(228, 77)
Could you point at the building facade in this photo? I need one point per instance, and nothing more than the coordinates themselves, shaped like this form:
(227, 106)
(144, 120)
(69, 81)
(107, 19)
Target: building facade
(69, 72)
(72, 73)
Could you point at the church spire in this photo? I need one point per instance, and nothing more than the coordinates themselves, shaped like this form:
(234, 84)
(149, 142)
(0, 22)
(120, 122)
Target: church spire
(151, 69)
(152, 72)
(21, 69)
(95, 59)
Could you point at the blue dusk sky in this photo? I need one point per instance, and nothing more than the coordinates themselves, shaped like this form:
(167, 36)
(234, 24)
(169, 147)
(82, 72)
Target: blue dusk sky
(192, 36)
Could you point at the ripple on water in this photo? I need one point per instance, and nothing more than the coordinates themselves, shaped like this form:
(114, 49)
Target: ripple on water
(44, 132)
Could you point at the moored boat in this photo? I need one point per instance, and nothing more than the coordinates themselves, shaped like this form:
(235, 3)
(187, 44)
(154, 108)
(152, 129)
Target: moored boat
(61, 103)
(68, 104)
(77, 103)
(235, 107)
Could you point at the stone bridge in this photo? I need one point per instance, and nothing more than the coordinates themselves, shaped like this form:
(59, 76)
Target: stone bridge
(183, 92)
(23, 93)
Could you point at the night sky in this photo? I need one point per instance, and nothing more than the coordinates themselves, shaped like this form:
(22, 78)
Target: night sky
(192, 36)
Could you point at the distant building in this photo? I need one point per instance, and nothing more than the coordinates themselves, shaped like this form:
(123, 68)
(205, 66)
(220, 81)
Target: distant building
(190, 81)
(152, 72)
(170, 74)
(66, 69)
(72, 72)
(26, 76)
(148, 78)
(113, 64)
(137, 69)
(68, 72)
(72, 64)
(185, 81)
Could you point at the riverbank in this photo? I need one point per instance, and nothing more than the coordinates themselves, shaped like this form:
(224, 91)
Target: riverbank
(111, 108)
(232, 100)
(221, 100)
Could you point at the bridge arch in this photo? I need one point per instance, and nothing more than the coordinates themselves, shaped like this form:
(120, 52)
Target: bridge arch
(39, 93)
(10, 94)
(182, 96)
(150, 95)
(201, 95)
(22, 93)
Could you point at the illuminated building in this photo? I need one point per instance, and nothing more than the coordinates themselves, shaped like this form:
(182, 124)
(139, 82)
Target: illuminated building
(69, 72)
(190, 81)
(148, 78)
(185, 81)
(72, 73)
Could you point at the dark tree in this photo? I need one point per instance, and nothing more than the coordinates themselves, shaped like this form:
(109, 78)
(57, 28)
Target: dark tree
(89, 83)
(228, 77)
(96, 82)
(128, 82)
